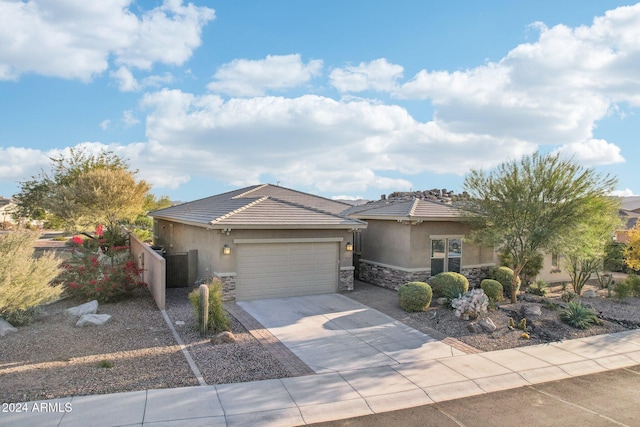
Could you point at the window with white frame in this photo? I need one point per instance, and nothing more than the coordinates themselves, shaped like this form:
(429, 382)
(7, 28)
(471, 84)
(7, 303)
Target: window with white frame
(446, 255)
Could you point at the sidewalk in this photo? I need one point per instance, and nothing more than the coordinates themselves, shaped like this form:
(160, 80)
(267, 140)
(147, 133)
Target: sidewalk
(345, 394)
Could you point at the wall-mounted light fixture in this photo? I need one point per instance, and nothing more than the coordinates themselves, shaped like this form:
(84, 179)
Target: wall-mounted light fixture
(226, 250)
(349, 247)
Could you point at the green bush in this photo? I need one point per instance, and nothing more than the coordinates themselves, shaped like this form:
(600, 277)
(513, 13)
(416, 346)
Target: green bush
(493, 290)
(629, 287)
(415, 296)
(633, 281)
(504, 275)
(218, 320)
(578, 316)
(25, 281)
(539, 287)
(449, 285)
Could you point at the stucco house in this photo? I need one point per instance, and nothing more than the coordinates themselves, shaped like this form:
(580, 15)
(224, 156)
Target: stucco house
(6, 211)
(416, 235)
(409, 237)
(264, 241)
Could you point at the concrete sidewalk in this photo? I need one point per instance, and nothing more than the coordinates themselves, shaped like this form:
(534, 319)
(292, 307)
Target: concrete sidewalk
(336, 395)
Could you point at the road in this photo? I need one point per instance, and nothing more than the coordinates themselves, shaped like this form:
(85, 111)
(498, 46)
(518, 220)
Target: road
(610, 398)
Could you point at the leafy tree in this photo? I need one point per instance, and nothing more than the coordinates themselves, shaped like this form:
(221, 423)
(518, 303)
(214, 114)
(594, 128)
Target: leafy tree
(632, 251)
(532, 205)
(585, 249)
(83, 189)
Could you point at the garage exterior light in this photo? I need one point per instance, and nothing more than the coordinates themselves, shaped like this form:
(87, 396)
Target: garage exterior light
(349, 247)
(226, 250)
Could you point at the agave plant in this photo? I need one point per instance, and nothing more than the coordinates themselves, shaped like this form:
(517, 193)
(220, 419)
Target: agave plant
(578, 316)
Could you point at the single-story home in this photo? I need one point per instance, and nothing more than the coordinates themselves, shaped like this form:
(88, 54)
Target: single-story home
(410, 237)
(264, 241)
(6, 211)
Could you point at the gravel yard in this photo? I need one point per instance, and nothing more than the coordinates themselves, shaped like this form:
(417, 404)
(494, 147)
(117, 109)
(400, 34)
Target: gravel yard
(52, 358)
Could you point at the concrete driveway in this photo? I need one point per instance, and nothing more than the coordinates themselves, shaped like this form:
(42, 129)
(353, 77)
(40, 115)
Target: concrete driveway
(333, 333)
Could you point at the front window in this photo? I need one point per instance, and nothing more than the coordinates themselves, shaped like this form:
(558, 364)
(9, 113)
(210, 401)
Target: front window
(446, 255)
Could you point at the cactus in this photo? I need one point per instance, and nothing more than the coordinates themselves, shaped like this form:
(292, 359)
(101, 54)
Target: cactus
(204, 310)
(523, 324)
(512, 323)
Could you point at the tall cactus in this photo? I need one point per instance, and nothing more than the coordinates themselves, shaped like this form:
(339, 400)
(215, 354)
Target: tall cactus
(204, 310)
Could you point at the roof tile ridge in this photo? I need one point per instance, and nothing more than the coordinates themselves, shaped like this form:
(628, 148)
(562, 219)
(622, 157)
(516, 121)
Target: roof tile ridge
(257, 187)
(233, 212)
(414, 206)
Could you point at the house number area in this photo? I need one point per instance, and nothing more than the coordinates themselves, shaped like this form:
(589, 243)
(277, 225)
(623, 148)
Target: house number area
(37, 407)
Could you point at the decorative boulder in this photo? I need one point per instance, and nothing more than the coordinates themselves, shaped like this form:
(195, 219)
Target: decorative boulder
(223, 338)
(6, 328)
(93, 319)
(487, 324)
(590, 293)
(90, 307)
(531, 311)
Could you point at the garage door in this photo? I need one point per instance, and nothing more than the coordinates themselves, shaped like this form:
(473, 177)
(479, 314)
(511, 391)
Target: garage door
(274, 270)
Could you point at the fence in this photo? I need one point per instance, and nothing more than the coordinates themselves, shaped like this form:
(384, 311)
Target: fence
(153, 267)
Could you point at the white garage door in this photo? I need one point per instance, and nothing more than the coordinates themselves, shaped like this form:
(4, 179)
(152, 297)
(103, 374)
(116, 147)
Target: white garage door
(274, 270)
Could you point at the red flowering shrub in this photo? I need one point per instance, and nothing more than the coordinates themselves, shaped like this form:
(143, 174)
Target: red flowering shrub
(89, 276)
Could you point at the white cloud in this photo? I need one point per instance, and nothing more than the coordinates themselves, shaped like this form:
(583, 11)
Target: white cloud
(592, 153)
(74, 39)
(129, 119)
(627, 192)
(377, 75)
(308, 142)
(128, 83)
(104, 125)
(243, 77)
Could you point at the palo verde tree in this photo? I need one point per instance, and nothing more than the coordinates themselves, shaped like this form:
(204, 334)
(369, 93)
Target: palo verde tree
(532, 205)
(585, 248)
(83, 189)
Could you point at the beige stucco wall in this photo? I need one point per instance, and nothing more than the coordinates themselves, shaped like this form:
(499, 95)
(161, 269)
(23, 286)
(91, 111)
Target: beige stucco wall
(153, 269)
(553, 274)
(177, 237)
(409, 246)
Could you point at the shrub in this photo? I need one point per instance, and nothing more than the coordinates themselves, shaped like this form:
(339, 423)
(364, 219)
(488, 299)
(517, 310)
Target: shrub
(633, 281)
(578, 316)
(493, 290)
(415, 296)
(218, 320)
(623, 290)
(471, 305)
(89, 275)
(449, 285)
(504, 275)
(539, 287)
(25, 281)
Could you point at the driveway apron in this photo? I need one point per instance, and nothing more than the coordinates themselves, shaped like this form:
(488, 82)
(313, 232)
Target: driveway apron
(333, 333)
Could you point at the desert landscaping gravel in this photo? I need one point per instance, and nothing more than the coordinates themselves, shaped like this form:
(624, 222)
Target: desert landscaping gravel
(53, 358)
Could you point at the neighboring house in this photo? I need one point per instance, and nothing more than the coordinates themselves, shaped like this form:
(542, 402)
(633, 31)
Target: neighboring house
(264, 241)
(629, 220)
(410, 237)
(6, 209)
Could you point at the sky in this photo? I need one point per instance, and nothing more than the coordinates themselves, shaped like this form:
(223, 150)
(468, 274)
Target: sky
(337, 98)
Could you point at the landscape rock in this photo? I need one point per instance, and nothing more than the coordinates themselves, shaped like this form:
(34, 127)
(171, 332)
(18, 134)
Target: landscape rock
(531, 311)
(223, 338)
(589, 293)
(90, 307)
(93, 319)
(487, 324)
(6, 328)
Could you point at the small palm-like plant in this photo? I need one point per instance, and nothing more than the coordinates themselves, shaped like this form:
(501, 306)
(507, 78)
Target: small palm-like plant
(578, 316)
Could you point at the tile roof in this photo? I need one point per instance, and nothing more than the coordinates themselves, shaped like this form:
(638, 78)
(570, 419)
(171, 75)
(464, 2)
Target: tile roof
(416, 209)
(261, 206)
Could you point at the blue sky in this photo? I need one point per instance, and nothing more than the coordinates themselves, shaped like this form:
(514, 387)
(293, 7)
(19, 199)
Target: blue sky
(336, 98)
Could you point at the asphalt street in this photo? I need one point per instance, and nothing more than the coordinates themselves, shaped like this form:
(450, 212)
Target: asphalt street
(610, 398)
